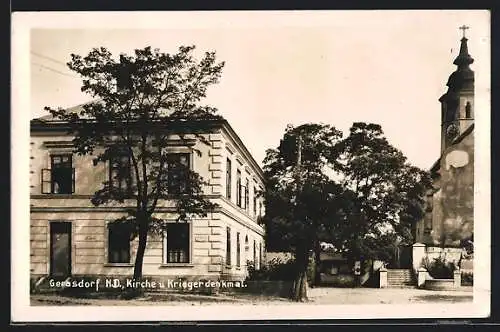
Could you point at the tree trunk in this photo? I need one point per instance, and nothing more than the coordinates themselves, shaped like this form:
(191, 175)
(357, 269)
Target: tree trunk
(299, 293)
(143, 237)
(299, 290)
(317, 264)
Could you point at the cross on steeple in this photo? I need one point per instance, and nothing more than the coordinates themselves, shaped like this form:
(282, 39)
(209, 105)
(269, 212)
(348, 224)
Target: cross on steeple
(463, 28)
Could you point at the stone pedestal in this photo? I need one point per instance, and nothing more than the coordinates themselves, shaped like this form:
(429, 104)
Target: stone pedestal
(418, 255)
(421, 277)
(383, 277)
(457, 278)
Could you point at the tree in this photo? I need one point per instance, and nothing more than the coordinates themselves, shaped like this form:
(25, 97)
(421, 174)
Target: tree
(385, 193)
(139, 102)
(302, 202)
(358, 193)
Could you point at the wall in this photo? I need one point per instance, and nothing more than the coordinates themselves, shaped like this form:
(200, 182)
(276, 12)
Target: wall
(88, 222)
(453, 214)
(89, 247)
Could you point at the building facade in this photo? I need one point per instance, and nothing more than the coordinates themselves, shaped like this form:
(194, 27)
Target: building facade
(70, 237)
(448, 225)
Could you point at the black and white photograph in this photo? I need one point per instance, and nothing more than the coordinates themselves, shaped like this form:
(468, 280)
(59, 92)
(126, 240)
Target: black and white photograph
(250, 165)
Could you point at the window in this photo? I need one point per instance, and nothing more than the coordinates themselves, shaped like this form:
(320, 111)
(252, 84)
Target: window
(238, 250)
(238, 188)
(228, 178)
(247, 198)
(468, 110)
(254, 201)
(255, 253)
(228, 246)
(118, 243)
(260, 253)
(120, 176)
(177, 243)
(60, 178)
(177, 172)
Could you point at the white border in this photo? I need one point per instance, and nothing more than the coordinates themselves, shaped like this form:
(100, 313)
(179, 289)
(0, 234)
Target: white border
(21, 310)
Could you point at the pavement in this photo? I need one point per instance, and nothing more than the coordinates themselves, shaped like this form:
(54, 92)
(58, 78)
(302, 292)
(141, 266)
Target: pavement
(323, 295)
(387, 295)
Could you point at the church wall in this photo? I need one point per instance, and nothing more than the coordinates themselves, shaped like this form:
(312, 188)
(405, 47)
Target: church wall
(453, 203)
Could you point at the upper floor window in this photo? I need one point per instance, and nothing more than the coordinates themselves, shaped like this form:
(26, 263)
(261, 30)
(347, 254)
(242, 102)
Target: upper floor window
(468, 110)
(118, 243)
(60, 178)
(254, 201)
(238, 188)
(177, 172)
(228, 178)
(247, 198)
(177, 243)
(120, 173)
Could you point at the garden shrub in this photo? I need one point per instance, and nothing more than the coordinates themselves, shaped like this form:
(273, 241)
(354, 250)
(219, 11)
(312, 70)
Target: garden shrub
(439, 268)
(275, 270)
(467, 279)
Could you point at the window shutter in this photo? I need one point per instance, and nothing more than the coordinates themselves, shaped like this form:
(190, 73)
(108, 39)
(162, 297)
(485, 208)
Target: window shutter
(72, 180)
(46, 181)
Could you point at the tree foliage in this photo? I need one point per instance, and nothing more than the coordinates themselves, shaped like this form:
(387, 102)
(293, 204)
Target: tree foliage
(139, 102)
(357, 192)
(386, 192)
(300, 198)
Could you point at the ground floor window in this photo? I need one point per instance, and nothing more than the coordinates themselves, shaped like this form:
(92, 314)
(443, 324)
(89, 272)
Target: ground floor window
(238, 250)
(177, 243)
(118, 243)
(228, 246)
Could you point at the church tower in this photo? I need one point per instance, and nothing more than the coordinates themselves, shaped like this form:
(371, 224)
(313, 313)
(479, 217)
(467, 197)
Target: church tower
(457, 104)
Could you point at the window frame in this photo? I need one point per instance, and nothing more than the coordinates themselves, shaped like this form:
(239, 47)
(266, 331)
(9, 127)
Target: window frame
(229, 185)
(48, 178)
(247, 192)
(189, 246)
(254, 200)
(238, 250)
(169, 154)
(109, 232)
(228, 246)
(238, 188)
(128, 179)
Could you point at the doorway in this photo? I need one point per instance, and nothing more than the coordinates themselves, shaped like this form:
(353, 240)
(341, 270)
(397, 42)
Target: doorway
(60, 249)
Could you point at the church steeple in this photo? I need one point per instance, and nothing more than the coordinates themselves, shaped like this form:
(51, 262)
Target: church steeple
(463, 59)
(457, 104)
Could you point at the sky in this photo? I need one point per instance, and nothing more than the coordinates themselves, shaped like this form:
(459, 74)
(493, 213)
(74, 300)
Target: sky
(295, 67)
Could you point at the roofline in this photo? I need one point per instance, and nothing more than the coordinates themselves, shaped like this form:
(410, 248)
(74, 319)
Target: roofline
(234, 136)
(40, 125)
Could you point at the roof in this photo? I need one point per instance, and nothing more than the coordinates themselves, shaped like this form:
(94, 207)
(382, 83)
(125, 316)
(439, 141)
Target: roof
(48, 122)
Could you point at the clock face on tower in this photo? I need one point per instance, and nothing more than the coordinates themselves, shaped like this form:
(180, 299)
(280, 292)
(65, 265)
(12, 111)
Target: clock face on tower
(452, 131)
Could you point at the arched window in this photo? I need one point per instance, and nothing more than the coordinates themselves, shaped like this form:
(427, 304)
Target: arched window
(468, 110)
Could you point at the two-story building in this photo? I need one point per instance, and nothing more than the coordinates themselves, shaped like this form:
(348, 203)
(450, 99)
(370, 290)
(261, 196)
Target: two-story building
(72, 237)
